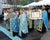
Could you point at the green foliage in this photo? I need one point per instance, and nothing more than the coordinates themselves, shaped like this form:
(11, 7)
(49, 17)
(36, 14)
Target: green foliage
(24, 2)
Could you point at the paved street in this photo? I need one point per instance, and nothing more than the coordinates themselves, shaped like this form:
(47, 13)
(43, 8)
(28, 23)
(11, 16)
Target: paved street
(47, 35)
(33, 35)
(3, 36)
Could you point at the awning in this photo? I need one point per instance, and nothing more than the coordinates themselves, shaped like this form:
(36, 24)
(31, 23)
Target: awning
(43, 2)
(7, 6)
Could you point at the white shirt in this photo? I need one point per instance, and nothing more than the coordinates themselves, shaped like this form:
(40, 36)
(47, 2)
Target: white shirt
(5, 16)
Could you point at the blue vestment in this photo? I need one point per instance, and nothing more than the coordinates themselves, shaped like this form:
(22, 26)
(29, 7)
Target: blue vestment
(39, 22)
(14, 23)
(39, 25)
(45, 18)
(23, 26)
(7, 24)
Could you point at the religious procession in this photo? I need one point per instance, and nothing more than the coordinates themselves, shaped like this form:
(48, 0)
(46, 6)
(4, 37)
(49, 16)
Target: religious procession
(23, 21)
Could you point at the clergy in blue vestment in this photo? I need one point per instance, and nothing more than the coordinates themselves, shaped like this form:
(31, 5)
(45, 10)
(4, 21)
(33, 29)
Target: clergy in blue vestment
(45, 17)
(14, 22)
(23, 26)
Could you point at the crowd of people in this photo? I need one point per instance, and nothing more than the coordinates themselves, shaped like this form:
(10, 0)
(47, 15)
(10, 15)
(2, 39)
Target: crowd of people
(18, 22)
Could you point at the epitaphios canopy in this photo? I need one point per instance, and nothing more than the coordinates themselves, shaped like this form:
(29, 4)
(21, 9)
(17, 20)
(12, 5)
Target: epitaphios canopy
(43, 2)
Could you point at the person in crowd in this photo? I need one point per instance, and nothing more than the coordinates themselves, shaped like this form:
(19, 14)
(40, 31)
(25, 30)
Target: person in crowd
(5, 14)
(39, 21)
(45, 18)
(23, 25)
(31, 22)
(17, 13)
(7, 21)
(14, 26)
